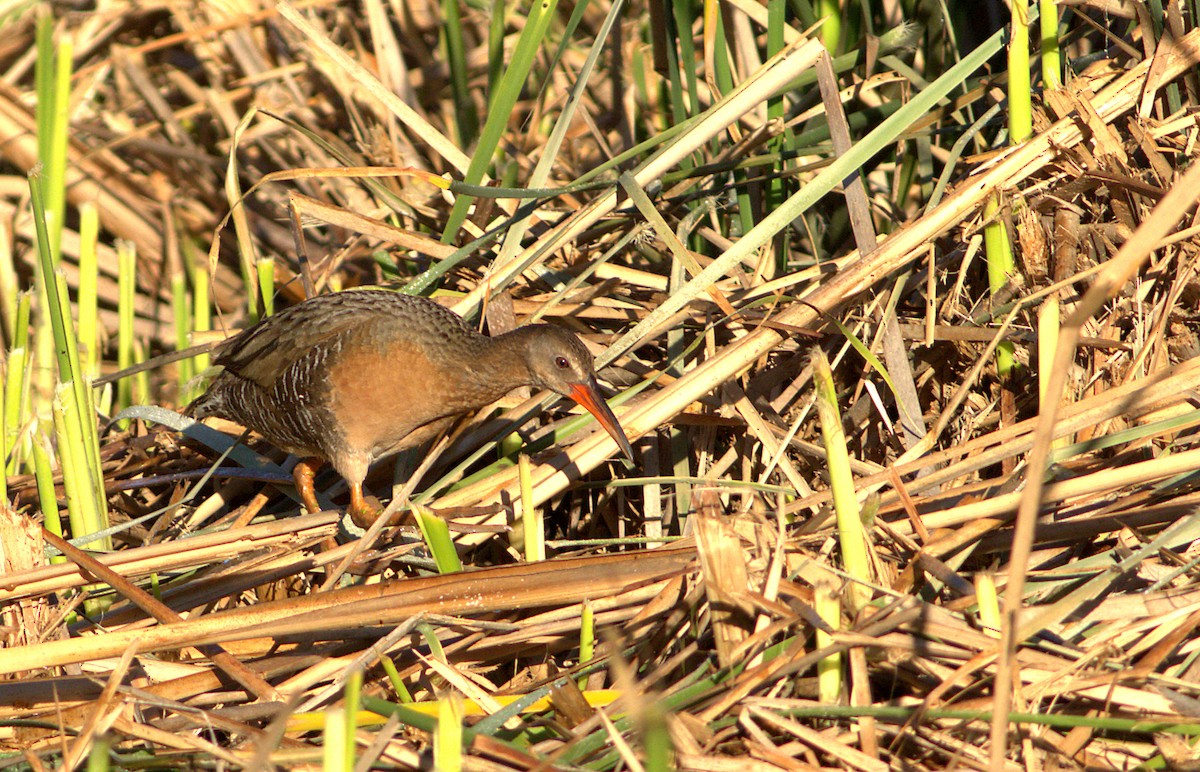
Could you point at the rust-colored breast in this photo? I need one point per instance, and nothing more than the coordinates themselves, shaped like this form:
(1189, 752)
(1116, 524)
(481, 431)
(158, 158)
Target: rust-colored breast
(381, 392)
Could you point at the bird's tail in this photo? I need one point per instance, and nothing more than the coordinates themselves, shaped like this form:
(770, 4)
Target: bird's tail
(211, 401)
(198, 408)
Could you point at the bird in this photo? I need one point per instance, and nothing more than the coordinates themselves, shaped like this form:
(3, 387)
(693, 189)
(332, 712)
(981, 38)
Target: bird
(353, 377)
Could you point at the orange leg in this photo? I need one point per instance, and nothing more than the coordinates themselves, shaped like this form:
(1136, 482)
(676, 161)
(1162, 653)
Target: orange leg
(363, 510)
(303, 473)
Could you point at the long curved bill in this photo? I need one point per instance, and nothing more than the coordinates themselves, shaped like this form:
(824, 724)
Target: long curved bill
(588, 395)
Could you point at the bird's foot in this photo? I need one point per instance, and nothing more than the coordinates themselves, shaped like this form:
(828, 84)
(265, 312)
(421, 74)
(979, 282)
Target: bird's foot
(303, 474)
(367, 510)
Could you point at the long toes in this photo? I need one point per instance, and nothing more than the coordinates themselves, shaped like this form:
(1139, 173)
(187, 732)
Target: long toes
(364, 516)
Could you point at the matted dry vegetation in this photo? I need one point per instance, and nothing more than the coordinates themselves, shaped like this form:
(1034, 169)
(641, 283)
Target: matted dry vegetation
(226, 629)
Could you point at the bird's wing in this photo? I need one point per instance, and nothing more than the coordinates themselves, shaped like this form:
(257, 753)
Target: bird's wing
(308, 331)
(306, 334)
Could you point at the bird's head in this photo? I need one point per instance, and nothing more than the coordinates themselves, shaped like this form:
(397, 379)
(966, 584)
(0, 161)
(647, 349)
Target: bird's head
(558, 361)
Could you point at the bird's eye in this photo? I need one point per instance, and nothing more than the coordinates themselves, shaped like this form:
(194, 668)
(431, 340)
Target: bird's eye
(561, 362)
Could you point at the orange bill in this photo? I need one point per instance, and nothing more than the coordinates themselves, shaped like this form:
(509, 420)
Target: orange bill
(588, 395)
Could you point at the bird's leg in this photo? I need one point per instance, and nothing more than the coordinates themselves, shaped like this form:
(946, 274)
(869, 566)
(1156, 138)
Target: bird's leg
(304, 472)
(363, 510)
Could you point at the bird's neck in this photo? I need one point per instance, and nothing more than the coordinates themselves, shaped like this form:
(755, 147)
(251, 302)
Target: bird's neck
(498, 365)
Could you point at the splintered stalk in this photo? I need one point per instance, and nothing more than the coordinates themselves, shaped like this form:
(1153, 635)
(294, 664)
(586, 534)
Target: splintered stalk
(127, 294)
(532, 520)
(587, 637)
(829, 670)
(43, 471)
(86, 301)
(201, 314)
(266, 284)
(1001, 266)
(334, 750)
(182, 313)
(350, 703)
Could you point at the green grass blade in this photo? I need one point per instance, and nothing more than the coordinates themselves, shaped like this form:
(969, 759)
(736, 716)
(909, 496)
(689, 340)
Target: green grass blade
(501, 107)
(86, 302)
(533, 528)
(456, 59)
(437, 538)
(1051, 54)
(448, 737)
(587, 637)
(336, 741)
(541, 172)
(127, 298)
(851, 536)
(350, 703)
(201, 311)
(16, 388)
(53, 85)
(43, 471)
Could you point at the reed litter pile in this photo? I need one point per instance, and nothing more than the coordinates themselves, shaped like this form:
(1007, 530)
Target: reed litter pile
(887, 512)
